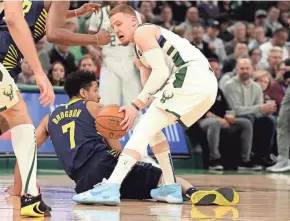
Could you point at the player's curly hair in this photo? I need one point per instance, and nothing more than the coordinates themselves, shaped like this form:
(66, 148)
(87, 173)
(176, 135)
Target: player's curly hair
(77, 80)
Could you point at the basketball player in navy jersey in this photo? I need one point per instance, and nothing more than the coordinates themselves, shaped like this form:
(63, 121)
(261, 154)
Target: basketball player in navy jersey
(21, 22)
(87, 157)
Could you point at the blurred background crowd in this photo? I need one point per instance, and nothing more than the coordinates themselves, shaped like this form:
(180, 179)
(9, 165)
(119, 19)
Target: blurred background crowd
(248, 46)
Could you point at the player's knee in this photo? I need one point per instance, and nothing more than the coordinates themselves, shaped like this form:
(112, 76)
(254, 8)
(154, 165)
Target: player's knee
(157, 139)
(17, 114)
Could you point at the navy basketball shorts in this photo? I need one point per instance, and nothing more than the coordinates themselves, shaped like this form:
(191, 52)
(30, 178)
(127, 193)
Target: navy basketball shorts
(10, 56)
(137, 185)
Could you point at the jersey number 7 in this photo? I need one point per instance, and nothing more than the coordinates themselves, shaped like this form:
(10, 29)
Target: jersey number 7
(71, 127)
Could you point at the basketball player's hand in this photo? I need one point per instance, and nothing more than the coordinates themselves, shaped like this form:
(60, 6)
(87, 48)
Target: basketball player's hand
(103, 37)
(130, 117)
(87, 8)
(46, 90)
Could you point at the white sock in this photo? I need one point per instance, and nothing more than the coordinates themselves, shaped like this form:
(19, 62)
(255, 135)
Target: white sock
(24, 145)
(166, 165)
(123, 167)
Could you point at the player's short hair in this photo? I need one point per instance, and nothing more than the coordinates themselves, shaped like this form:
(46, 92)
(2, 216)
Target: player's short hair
(77, 80)
(123, 8)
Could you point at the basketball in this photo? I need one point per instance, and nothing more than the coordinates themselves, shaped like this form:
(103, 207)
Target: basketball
(108, 122)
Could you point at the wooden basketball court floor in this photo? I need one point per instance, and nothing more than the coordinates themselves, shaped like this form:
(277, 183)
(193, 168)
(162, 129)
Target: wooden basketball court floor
(262, 197)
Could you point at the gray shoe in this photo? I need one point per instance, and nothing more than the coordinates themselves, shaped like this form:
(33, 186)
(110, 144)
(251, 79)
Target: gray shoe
(282, 165)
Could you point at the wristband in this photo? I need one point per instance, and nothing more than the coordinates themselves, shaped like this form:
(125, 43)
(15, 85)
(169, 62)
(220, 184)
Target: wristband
(76, 14)
(134, 105)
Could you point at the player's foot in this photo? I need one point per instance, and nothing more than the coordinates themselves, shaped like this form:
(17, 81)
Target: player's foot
(168, 193)
(222, 197)
(215, 165)
(34, 206)
(282, 165)
(102, 193)
(249, 165)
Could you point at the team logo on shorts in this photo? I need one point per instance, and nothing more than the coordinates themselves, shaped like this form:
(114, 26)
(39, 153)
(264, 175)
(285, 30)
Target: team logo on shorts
(166, 96)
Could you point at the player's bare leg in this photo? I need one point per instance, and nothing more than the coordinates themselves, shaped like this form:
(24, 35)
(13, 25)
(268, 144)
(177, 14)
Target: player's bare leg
(24, 146)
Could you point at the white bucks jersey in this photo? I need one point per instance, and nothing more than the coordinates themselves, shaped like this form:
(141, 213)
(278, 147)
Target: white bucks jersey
(101, 21)
(176, 50)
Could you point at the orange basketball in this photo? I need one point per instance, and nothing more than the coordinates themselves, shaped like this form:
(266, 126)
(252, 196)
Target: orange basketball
(108, 122)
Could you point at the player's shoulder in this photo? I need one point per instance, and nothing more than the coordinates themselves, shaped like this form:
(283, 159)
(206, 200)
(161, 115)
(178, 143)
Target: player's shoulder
(93, 107)
(145, 29)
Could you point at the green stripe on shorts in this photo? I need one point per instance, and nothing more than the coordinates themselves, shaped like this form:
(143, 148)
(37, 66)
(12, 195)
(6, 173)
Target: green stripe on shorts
(177, 60)
(179, 77)
(174, 113)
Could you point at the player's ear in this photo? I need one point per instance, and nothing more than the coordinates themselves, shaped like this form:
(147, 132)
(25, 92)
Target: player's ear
(135, 20)
(82, 93)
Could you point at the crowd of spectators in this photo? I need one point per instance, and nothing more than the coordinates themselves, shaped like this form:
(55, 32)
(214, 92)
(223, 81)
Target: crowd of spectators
(248, 46)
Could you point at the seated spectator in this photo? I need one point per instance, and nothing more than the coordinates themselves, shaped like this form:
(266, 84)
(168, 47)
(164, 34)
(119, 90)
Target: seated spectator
(62, 54)
(214, 63)
(278, 86)
(241, 50)
(255, 55)
(27, 75)
(72, 25)
(245, 97)
(197, 41)
(285, 19)
(146, 9)
(250, 32)
(274, 58)
(215, 44)
(279, 39)
(224, 34)
(192, 18)
(43, 55)
(283, 129)
(259, 38)
(282, 67)
(272, 23)
(264, 79)
(56, 74)
(239, 36)
(208, 11)
(180, 8)
(260, 18)
(87, 63)
(179, 30)
(188, 34)
(166, 20)
(216, 120)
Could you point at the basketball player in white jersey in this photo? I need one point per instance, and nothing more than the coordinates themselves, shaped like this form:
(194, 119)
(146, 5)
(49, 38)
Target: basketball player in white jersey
(119, 77)
(183, 86)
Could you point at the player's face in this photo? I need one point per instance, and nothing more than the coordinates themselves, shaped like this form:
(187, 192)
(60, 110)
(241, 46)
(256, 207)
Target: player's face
(124, 25)
(92, 93)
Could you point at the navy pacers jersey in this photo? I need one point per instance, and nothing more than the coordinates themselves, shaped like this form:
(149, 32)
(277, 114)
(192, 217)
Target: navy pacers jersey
(74, 136)
(35, 15)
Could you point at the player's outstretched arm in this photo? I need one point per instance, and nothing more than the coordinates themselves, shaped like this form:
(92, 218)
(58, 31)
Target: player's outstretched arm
(145, 38)
(84, 9)
(41, 136)
(55, 32)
